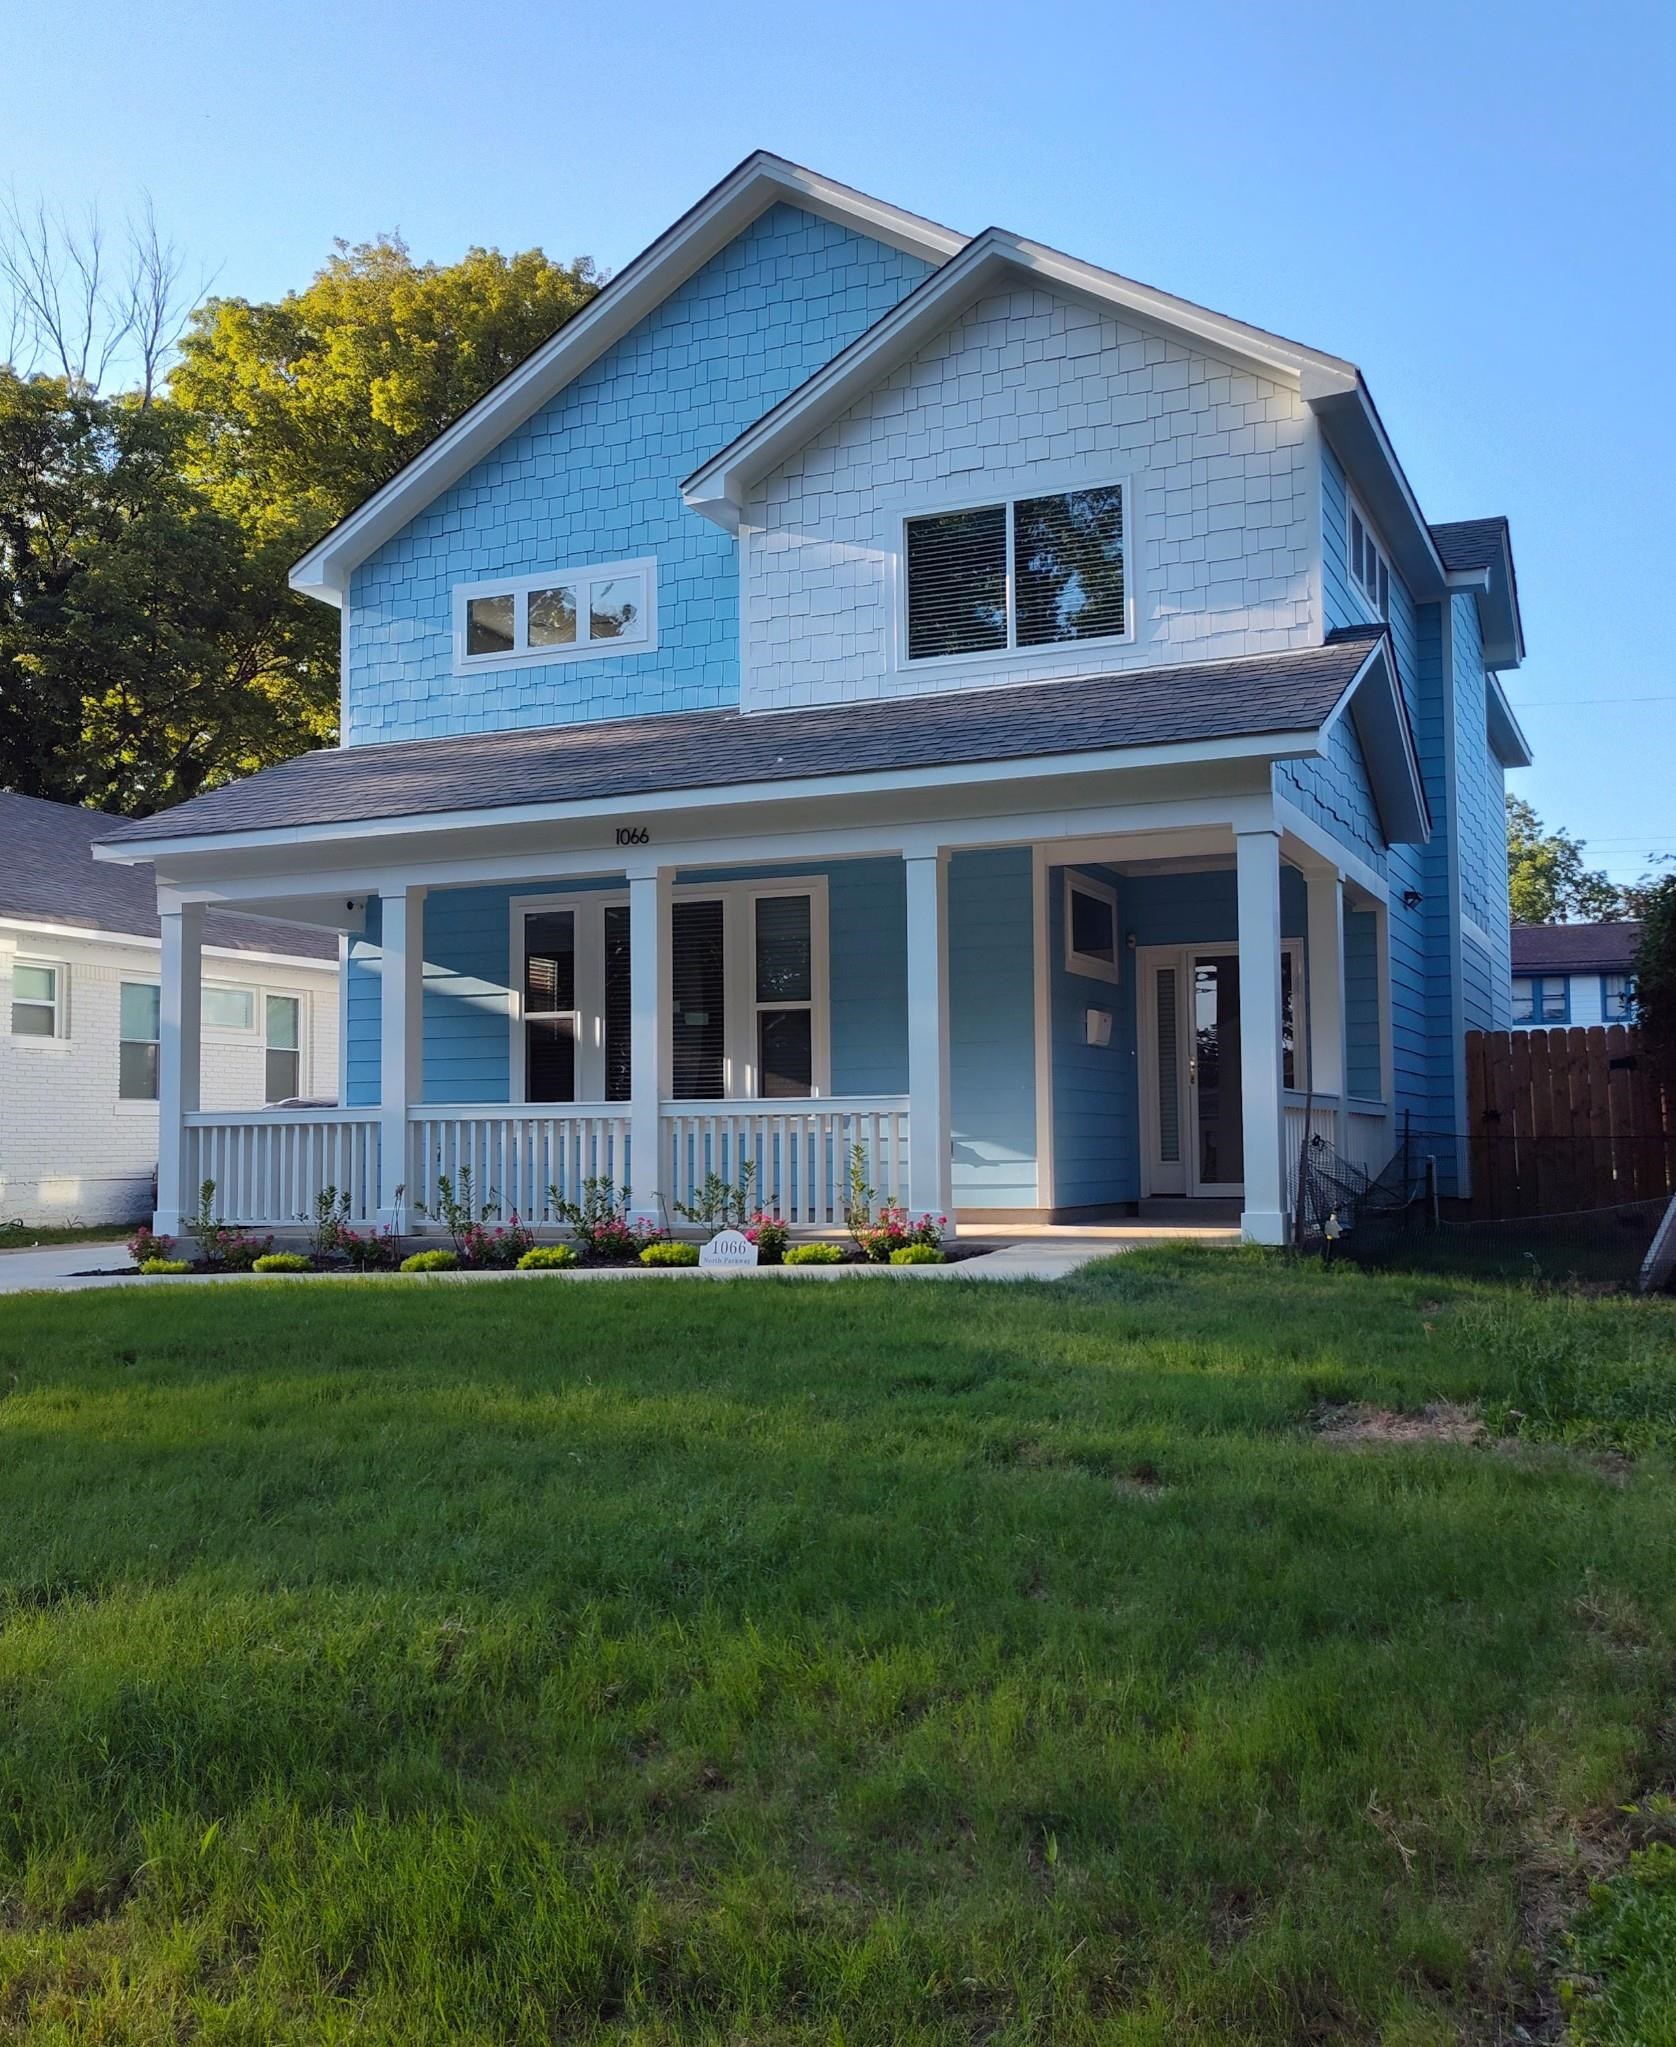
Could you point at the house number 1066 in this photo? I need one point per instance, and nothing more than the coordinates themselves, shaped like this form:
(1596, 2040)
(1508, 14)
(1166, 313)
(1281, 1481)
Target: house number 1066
(633, 835)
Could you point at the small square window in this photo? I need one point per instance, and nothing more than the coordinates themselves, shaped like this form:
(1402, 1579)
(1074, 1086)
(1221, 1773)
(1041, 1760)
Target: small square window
(614, 609)
(489, 625)
(552, 621)
(1090, 928)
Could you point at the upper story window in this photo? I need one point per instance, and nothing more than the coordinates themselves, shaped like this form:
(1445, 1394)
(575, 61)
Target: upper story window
(1029, 572)
(1369, 569)
(560, 615)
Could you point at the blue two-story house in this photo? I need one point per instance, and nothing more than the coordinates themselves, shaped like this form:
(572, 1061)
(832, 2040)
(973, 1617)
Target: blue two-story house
(862, 685)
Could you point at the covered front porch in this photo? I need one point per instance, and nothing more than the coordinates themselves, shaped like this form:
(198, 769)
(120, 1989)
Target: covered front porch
(1064, 1026)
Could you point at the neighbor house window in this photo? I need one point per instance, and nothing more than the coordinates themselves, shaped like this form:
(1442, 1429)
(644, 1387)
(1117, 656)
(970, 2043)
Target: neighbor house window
(1555, 1002)
(1090, 928)
(1524, 999)
(228, 1009)
(1368, 565)
(137, 1041)
(282, 1047)
(1617, 997)
(557, 616)
(1539, 999)
(1029, 572)
(37, 1000)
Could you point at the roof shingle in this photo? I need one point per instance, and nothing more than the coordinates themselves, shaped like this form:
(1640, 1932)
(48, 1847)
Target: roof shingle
(1575, 948)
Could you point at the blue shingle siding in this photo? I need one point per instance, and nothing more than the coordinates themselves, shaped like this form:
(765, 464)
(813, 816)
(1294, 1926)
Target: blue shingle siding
(594, 477)
(992, 1029)
(1482, 824)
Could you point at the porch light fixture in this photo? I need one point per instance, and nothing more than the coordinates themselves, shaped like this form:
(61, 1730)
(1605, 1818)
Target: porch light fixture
(1412, 899)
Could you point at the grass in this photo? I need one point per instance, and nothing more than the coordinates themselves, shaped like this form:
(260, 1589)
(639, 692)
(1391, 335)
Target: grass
(839, 1665)
(21, 1236)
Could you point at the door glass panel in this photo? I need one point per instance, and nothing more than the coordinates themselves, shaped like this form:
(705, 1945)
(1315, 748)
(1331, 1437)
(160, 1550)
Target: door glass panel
(1169, 1098)
(550, 1006)
(698, 1029)
(1288, 1025)
(550, 1059)
(1216, 1060)
(618, 1072)
(785, 1052)
(783, 958)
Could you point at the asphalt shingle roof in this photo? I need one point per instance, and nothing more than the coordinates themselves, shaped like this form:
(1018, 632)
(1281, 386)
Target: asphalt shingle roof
(48, 875)
(1470, 543)
(1575, 948)
(627, 757)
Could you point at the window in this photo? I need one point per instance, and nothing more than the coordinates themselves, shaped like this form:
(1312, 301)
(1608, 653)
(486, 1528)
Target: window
(550, 1013)
(228, 1009)
(698, 986)
(1555, 1003)
(1090, 928)
(557, 616)
(1538, 999)
(37, 1000)
(136, 1051)
(1368, 565)
(1617, 997)
(1032, 572)
(282, 1047)
(785, 997)
(1524, 999)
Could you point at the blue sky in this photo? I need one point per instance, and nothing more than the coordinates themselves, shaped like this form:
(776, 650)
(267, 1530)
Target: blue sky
(1474, 202)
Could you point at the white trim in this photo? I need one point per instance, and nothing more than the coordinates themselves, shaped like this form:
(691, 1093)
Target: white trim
(590, 977)
(1296, 825)
(91, 935)
(760, 182)
(581, 579)
(225, 1033)
(1041, 947)
(1090, 965)
(60, 1003)
(1355, 510)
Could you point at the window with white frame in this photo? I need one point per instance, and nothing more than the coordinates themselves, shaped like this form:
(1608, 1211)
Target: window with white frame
(139, 1011)
(1369, 568)
(559, 615)
(228, 1009)
(1027, 572)
(38, 1008)
(1617, 997)
(1090, 927)
(282, 1047)
(784, 996)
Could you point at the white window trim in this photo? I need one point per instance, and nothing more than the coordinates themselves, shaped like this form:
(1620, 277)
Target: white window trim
(518, 588)
(60, 971)
(133, 1105)
(739, 1054)
(1353, 508)
(1085, 963)
(234, 1034)
(304, 1036)
(1006, 492)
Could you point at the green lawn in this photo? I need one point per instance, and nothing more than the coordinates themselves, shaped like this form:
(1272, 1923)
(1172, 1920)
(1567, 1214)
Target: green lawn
(830, 1663)
(21, 1236)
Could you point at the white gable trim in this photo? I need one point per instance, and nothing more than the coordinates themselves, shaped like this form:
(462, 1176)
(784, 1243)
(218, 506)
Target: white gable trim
(760, 182)
(718, 488)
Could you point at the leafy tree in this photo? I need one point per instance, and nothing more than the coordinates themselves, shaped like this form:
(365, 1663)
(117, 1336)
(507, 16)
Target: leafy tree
(1655, 975)
(142, 653)
(1547, 882)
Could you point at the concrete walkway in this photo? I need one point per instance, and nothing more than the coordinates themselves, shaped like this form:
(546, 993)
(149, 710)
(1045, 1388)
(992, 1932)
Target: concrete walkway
(1026, 1251)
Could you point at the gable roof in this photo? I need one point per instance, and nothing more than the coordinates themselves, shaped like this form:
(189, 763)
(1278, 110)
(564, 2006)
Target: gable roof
(48, 875)
(1477, 554)
(761, 181)
(1289, 696)
(1575, 948)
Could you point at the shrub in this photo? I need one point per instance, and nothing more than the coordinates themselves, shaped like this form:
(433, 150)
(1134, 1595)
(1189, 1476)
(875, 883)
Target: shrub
(432, 1261)
(331, 1221)
(282, 1261)
(377, 1251)
(720, 1204)
(547, 1258)
(481, 1246)
(664, 1252)
(223, 1248)
(814, 1254)
(146, 1244)
(917, 1254)
(599, 1221)
(164, 1265)
(893, 1229)
(769, 1235)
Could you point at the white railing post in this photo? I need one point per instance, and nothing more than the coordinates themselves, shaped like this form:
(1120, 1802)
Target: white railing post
(180, 1009)
(1328, 1058)
(401, 1037)
(648, 1009)
(1257, 880)
(929, 1179)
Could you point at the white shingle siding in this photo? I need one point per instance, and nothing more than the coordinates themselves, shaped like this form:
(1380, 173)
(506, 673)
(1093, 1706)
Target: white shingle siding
(1029, 392)
(70, 1148)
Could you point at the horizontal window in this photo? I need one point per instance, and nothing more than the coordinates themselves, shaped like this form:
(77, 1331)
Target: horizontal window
(37, 1000)
(228, 1009)
(1029, 572)
(557, 616)
(1368, 566)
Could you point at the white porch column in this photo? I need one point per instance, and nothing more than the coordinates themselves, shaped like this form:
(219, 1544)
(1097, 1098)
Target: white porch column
(649, 1006)
(1328, 1059)
(1257, 870)
(930, 1187)
(179, 1011)
(401, 1044)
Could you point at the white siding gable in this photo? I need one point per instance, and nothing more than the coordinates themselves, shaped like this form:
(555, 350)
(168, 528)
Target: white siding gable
(1029, 393)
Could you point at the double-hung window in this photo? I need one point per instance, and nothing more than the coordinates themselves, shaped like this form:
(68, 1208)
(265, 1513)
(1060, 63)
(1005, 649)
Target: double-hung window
(1617, 998)
(1369, 568)
(282, 1047)
(1541, 999)
(1027, 572)
(139, 1008)
(559, 615)
(37, 999)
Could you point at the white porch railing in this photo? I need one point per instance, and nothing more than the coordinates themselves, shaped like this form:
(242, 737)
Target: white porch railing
(802, 1151)
(269, 1165)
(515, 1154)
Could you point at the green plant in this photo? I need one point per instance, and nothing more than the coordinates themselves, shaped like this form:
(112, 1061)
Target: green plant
(459, 1210)
(432, 1261)
(769, 1234)
(815, 1254)
(223, 1246)
(894, 1229)
(547, 1258)
(331, 1221)
(146, 1244)
(666, 1252)
(918, 1254)
(858, 1206)
(283, 1261)
(164, 1265)
(599, 1220)
(374, 1251)
(720, 1204)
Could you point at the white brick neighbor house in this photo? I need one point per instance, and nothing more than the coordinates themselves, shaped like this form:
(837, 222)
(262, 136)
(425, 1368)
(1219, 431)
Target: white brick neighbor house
(79, 1019)
(864, 685)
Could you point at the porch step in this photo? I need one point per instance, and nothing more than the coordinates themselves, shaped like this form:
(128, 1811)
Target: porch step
(1207, 1212)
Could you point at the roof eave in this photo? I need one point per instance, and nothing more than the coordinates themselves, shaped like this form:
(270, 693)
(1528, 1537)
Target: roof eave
(1353, 428)
(1507, 737)
(1373, 701)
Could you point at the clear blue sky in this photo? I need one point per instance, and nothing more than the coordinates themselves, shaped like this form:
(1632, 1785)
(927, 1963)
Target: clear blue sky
(1474, 202)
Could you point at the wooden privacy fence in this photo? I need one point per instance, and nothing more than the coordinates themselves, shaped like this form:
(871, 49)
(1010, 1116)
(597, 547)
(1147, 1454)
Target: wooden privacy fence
(1566, 1119)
